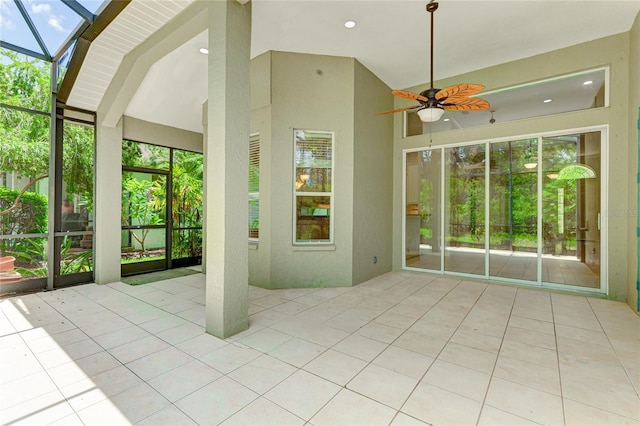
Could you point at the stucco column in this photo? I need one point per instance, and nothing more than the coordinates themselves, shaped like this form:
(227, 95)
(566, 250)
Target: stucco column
(227, 164)
(108, 178)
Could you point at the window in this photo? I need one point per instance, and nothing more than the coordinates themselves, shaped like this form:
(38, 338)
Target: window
(574, 92)
(313, 186)
(254, 186)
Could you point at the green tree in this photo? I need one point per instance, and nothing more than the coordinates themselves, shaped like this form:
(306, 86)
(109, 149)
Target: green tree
(25, 136)
(142, 204)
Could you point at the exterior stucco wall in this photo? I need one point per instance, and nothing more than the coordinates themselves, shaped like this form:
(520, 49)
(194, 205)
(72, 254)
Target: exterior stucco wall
(634, 142)
(143, 131)
(373, 172)
(292, 91)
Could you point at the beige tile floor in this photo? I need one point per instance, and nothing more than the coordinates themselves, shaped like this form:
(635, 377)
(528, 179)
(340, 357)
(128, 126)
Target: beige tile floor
(401, 349)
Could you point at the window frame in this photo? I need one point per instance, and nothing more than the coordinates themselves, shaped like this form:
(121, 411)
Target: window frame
(329, 194)
(254, 138)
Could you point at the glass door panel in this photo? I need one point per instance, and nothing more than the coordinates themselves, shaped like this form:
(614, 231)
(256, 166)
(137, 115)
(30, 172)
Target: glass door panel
(513, 206)
(571, 210)
(465, 209)
(144, 233)
(187, 194)
(74, 234)
(24, 191)
(422, 214)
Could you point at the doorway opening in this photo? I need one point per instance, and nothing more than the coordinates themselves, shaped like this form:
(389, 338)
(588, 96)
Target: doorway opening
(161, 208)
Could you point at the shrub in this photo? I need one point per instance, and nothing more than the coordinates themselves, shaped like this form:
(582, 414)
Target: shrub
(29, 217)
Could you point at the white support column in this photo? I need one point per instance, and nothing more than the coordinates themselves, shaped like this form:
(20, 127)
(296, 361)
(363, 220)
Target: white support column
(227, 164)
(108, 178)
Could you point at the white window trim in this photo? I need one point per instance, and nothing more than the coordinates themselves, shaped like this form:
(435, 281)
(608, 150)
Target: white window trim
(254, 241)
(317, 243)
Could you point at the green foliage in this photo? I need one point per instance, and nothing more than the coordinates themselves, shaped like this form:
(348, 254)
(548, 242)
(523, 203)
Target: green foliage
(78, 165)
(143, 203)
(29, 217)
(24, 81)
(137, 154)
(187, 189)
(187, 197)
(25, 136)
(32, 254)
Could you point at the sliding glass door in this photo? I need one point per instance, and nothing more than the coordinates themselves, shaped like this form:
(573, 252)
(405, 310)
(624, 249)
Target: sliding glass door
(513, 210)
(571, 218)
(464, 209)
(522, 210)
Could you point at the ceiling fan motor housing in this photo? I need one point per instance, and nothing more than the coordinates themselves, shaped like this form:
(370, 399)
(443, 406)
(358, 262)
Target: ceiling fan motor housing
(430, 94)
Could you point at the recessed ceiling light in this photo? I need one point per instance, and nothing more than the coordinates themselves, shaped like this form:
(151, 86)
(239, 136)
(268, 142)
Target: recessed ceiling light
(546, 101)
(588, 82)
(204, 50)
(446, 119)
(350, 24)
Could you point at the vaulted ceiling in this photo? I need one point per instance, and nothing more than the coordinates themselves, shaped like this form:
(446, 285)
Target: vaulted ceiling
(390, 38)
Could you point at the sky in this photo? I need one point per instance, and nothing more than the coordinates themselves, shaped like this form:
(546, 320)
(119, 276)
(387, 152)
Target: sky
(52, 18)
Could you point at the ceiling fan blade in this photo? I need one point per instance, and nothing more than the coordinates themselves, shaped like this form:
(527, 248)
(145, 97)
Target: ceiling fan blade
(459, 91)
(398, 110)
(408, 95)
(466, 104)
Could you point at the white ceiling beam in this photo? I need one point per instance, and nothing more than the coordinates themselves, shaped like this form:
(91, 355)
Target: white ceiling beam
(135, 65)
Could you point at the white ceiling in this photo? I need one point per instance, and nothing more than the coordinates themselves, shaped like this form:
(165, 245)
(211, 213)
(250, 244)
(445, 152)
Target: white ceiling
(391, 39)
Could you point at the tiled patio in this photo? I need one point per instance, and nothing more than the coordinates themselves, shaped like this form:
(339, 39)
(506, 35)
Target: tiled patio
(401, 349)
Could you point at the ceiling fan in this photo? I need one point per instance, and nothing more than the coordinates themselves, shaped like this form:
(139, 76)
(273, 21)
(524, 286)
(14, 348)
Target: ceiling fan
(433, 102)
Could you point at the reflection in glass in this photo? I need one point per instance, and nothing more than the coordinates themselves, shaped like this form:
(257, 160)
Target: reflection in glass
(423, 237)
(313, 218)
(571, 211)
(513, 210)
(464, 207)
(313, 185)
(254, 186)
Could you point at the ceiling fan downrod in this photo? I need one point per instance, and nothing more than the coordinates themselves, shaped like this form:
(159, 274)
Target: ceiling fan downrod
(432, 6)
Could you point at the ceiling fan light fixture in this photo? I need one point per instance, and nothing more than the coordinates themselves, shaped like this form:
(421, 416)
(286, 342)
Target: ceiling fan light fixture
(433, 101)
(431, 114)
